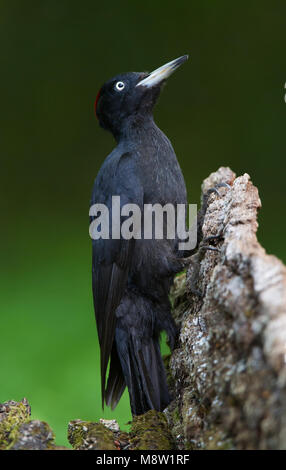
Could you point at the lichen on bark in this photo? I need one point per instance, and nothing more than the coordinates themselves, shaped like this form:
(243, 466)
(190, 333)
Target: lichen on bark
(12, 415)
(18, 432)
(33, 435)
(229, 369)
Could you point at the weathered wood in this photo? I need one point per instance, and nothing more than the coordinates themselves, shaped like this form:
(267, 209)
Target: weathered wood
(229, 372)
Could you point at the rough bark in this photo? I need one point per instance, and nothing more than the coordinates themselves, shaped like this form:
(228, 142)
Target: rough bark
(228, 374)
(18, 432)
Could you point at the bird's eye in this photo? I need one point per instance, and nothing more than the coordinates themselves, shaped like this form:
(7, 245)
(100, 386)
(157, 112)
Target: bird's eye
(119, 86)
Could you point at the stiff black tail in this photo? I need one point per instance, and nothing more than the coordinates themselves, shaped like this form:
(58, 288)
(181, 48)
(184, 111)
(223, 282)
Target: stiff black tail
(143, 370)
(116, 382)
(136, 360)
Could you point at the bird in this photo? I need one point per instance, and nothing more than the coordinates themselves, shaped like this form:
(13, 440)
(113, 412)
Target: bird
(131, 278)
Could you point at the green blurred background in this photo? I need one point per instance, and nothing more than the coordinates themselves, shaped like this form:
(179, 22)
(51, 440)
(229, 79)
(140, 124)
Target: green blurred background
(225, 106)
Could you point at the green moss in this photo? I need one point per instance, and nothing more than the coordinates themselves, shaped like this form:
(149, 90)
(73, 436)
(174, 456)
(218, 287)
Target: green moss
(12, 415)
(176, 415)
(88, 435)
(33, 435)
(150, 431)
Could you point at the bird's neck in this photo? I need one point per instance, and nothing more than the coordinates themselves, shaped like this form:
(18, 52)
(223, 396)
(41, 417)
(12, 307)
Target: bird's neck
(135, 128)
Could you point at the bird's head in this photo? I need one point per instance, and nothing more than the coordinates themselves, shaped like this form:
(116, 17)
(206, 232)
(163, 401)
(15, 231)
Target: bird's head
(130, 97)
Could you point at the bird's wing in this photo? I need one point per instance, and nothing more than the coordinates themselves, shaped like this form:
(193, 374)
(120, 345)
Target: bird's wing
(111, 259)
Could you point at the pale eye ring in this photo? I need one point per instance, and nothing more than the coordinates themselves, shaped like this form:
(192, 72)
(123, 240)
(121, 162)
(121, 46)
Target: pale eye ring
(120, 86)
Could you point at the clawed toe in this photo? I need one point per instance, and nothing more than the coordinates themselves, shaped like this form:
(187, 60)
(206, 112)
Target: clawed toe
(215, 188)
(211, 238)
(209, 247)
(203, 243)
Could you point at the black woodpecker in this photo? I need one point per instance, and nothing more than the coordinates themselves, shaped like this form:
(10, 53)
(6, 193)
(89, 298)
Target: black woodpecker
(131, 279)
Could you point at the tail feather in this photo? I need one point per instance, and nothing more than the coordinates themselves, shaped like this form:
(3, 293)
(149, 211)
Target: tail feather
(144, 372)
(116, 383)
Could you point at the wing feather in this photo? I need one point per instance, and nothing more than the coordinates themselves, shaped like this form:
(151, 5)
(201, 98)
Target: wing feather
(112, 259)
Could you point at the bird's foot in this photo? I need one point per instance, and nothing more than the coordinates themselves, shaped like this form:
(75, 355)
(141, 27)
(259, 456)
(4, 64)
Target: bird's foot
(194, 277)
(207, 194)
(213, 238)
(215, 188)
(209, 247)
(196, 258)
(204, 207)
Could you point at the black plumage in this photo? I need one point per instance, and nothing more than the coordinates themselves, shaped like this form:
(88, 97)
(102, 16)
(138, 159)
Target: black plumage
(132, 278)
